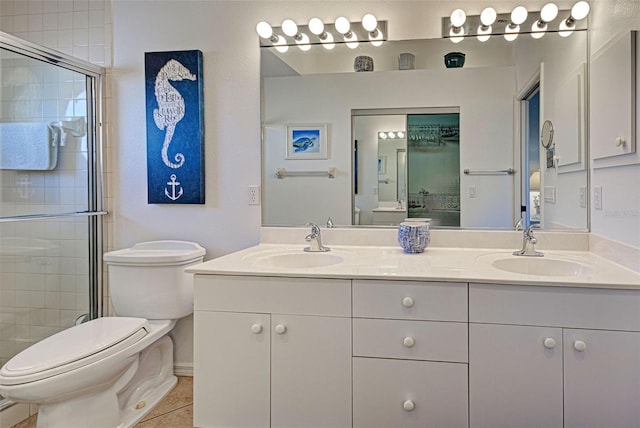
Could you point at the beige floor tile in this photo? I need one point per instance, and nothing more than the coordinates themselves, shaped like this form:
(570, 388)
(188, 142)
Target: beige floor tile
(181, 418)
(30, 422)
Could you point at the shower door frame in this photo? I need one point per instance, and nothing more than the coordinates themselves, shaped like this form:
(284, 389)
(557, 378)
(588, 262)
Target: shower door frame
(95, 209)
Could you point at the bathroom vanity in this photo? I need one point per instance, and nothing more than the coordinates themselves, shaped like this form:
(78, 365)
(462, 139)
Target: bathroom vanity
(368, 336)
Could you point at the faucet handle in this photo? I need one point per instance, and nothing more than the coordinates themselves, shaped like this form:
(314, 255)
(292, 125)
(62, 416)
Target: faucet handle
(314, 227)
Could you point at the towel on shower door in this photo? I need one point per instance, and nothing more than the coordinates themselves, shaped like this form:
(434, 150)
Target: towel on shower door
(29, 145)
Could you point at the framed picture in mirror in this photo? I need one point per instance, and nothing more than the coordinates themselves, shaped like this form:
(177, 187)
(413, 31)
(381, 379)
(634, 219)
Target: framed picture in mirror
(307, 141)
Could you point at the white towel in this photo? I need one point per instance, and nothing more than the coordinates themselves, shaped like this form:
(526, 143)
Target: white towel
(29, 145)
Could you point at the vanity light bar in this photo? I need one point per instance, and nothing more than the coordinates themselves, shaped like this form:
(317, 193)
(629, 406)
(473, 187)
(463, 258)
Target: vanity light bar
(370, 30)
(390, 135)
(489, 23)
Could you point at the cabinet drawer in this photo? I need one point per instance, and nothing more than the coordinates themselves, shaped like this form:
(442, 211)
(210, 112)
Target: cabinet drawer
(435, 301)
(296, 296)
(413, 340)
(591, 308)
(382, 389)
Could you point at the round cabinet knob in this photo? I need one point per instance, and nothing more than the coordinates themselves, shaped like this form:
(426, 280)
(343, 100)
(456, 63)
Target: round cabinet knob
(409, 342)
(256, 328)
(407, 302)
(280, 328)
(621, 142)
(408, 405)
(579, 345)
(549, 343)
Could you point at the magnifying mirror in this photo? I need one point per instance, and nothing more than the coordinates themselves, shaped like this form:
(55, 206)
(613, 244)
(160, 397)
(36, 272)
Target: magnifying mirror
(546, 136)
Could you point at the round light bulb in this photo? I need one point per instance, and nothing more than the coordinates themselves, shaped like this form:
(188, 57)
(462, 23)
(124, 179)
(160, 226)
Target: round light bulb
(316, 26)
(392, 134)
(281, 45)
(549, 12)
(351, 40)
(484, 33)
(455, 37)
(303, 43)
(264, 30)
(369, 22)
(400, 134)
(519, 15)
(342, 25)
(511, 33)
(289, 27)
(382, 135)
(580, 10)
(488, 16)
(327, 42)
(458, 18)
(566, 29)
(537, 31)
(377, 40)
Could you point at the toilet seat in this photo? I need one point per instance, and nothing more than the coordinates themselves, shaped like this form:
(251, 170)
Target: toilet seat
(72, 348)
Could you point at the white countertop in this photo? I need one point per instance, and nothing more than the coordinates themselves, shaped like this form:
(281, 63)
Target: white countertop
(435, 264)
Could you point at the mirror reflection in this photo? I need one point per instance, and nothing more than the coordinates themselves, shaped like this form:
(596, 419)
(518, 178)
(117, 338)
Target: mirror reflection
(501, 96)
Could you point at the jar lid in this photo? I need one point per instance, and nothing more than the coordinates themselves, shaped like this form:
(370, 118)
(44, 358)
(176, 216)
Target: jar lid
(416, 219)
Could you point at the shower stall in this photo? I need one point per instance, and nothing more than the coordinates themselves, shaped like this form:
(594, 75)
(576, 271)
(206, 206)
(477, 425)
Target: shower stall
(51, 194)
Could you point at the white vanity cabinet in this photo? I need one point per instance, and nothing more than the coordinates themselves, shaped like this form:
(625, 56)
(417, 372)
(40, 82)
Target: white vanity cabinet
(410, 354)
(272, 351)
(553, 357)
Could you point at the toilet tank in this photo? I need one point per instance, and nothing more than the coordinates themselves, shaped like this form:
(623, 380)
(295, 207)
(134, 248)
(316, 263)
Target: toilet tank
(148, 279)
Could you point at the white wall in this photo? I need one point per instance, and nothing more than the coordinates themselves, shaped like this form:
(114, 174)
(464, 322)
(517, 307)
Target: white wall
(485, 98)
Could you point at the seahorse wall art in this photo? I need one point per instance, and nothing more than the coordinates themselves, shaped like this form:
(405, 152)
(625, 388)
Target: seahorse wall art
(175, 130)
(170, 109)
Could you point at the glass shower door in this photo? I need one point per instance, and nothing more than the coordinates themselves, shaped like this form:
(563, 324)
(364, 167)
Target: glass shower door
(50, 194)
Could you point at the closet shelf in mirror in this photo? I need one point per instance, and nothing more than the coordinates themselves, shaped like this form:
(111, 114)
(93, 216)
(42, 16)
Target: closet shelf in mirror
(329, 173)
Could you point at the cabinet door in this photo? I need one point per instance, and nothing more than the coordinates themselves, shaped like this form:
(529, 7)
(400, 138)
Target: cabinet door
(601, 378)
(231, 369)
(405, 394)
(515, 376)
(310, 372)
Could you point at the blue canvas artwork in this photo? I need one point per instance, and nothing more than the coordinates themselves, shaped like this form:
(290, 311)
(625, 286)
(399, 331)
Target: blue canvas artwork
(175, 127)
(306, 141)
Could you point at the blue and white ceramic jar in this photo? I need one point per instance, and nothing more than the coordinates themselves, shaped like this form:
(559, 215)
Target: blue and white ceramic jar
(413, 235)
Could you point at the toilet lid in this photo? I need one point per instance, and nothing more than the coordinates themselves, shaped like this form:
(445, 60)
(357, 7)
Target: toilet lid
(74, 347)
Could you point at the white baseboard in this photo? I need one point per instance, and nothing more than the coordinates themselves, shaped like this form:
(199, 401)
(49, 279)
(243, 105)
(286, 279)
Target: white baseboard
(183, 369)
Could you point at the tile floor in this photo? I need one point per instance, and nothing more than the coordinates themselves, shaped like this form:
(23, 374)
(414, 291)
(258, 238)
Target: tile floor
(175, 411)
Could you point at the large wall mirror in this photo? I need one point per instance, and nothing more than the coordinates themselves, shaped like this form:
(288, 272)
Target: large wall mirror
(468, 154)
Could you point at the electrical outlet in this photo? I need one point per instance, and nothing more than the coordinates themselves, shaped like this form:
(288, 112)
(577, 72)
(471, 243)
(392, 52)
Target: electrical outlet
(597, 197)
(583, 197)
(254, 194)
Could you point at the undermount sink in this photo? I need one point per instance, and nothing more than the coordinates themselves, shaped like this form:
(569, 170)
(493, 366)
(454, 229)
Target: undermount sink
(299, 260)
(542, 266)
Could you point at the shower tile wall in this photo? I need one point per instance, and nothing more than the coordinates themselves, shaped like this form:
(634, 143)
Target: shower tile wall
(43, 282)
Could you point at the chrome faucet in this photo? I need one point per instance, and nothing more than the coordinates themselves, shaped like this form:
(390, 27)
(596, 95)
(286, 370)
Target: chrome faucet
(315, 240)
(329, 223)
(528, 243)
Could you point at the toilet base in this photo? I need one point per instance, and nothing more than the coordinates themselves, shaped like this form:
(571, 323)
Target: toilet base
(141, 386)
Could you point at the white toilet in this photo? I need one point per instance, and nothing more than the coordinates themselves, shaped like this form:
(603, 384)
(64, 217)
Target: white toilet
(111, 371)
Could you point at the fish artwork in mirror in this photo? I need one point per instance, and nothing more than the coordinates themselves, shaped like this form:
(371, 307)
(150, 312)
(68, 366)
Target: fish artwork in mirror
(481, 97)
